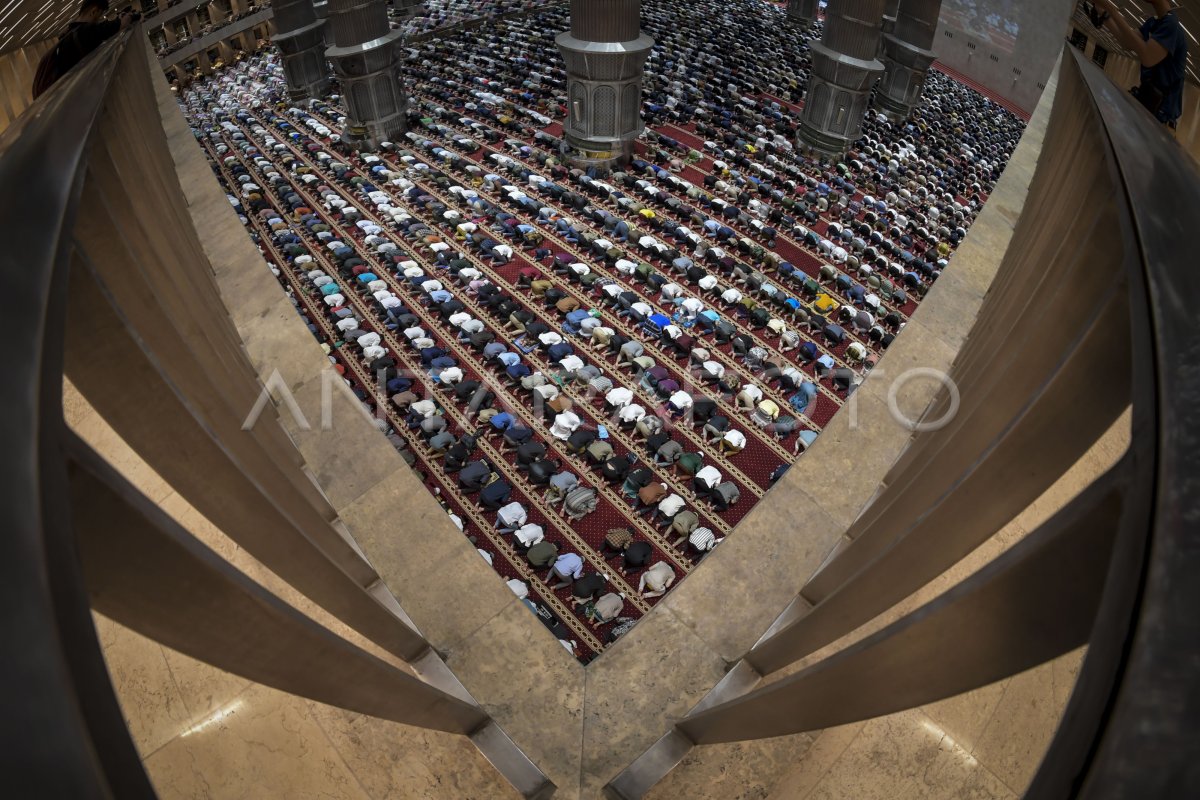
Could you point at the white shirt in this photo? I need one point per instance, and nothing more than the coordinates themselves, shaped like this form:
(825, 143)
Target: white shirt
(751, 392)
(564, 425)
(511, 515)
(424, 408)
(530, 534)
(632, 413)
(671, 505)
(450, 375)
(709, 475)
(681, 400)
(619, 397)
(736, 438)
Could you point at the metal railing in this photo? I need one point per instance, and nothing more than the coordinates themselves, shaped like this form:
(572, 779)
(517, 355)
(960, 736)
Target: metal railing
(118, 294)
(1092, 308)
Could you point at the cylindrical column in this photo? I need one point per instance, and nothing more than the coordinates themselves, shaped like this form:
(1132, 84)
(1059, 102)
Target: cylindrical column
(604, 53)
(802, 11)
(301, 42)
(366, 58)
(407, 7)
(907, 56)
(890, 9)
(844, 70)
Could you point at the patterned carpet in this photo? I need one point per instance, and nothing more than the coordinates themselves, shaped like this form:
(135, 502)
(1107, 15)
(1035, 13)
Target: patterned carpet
(299, 190)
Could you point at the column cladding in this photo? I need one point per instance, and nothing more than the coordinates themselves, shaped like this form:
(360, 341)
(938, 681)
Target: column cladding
(604, 53)
(844, 70)
(366, 57)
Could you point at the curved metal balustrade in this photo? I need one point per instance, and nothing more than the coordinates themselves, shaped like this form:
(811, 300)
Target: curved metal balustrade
(117, 293)
(1093, 308)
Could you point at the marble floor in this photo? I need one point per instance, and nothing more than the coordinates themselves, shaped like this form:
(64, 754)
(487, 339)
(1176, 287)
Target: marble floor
(982, 745)
(204, 733)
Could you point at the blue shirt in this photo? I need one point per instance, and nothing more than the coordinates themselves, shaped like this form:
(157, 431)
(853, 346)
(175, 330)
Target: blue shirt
(509, 358)
(1167, 75)
(569, 564)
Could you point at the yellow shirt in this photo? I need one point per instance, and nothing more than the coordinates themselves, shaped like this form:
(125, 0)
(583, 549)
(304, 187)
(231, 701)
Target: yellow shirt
(825, 304)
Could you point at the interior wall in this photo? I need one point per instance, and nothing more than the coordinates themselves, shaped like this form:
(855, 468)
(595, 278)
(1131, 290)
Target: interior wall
(1015, 68)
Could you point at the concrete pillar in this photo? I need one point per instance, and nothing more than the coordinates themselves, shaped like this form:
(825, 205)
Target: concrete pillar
(843, 72)
(907, 56)
(604, 52)
(407, 8)
(321, 7)
(890, 9)
(367, 58)
(802, 11)
(301, 42)
(169, 34)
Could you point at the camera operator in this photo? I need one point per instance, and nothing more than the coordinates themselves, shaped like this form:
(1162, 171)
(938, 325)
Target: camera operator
(86, 32)
(1161, 46)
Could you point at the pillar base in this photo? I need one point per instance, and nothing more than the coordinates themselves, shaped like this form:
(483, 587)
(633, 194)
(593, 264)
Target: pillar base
(836, 101)
(376, 106)
(302, 52)
(905, 68)
(602, 157)
(802, 12)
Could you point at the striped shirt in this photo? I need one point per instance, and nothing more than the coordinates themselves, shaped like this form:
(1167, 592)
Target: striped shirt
(703, 539)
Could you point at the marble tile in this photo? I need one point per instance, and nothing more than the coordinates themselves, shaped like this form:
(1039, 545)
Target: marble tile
(87, 423)
(1016, 736)
(647, 680)
(400, 762)
(532, 687)
(1099, 458)
(151, 703)
(844, 467)
(826, 748)
(261, 744)
(199, 526)
(902, 756)
(278, 344)
(737, 771)
(950, 308)
(204, 688)
(899, 379)
(964, 716)
(731, 600)
(425, 560)
(345, 451)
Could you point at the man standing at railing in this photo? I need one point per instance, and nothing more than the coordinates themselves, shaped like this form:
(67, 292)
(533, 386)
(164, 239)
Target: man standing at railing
(86, 32)
(1161, 47)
